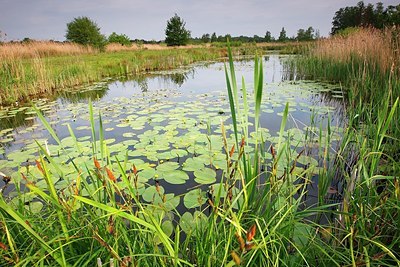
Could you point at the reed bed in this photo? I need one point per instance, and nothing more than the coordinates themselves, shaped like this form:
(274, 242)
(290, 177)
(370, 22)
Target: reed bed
(39, 49)
(365, 61)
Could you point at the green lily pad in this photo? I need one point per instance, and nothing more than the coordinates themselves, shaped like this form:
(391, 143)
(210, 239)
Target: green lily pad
(194, 198)
(167, 166)
(205, 176)
(175, 176)
(307, 160)
(151, 193)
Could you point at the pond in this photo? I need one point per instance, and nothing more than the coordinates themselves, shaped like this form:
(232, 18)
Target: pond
(169, 125)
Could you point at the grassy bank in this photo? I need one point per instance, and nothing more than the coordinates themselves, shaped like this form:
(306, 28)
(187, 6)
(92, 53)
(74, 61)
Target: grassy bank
(22, 77)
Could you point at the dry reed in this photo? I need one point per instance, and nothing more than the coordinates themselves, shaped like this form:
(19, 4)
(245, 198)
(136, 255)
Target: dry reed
(34, 49)
(376, 48)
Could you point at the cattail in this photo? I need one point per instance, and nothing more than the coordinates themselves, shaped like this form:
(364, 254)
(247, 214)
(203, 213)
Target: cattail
(96, 163)
(110, 175)
(235, 257)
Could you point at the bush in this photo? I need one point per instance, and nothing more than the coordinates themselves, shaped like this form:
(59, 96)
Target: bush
(122, 39)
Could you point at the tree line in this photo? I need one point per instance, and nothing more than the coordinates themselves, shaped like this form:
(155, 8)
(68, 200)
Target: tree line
(362, 15)
(85, 31)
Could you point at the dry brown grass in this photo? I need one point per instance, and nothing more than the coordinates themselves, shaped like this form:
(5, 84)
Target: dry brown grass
(375, 47)
(36, 49)
(40, 49)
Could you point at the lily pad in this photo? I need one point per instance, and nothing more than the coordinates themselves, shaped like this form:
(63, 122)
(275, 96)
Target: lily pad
(175, 176)
(194, 198)
(205, 176)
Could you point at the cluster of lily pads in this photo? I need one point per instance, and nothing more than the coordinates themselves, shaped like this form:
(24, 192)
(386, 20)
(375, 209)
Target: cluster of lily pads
(176, 145)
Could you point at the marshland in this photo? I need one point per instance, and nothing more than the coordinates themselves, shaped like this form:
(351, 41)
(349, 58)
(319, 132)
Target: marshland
(224, 152)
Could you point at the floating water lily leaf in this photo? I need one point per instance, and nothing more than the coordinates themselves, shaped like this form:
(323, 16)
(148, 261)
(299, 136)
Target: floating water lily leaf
(205, 176)
(193, 164)
(190, 222)
(307, 160)
(179, 152)
(167, 201)
(147, 173)
(167, 166)
(84, 127)
(167, 227)
(128, 135)
(152, 192)
(175, 176)
(186, 222)
(34, 206)
(194, 198)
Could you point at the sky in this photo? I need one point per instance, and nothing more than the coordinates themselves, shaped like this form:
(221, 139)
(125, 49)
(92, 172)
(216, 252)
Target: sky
(141, 19)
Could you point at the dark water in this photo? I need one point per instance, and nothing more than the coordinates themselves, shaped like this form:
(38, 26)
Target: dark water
(188, 102)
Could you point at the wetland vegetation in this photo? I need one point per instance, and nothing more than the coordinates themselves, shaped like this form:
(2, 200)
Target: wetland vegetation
(176, 161)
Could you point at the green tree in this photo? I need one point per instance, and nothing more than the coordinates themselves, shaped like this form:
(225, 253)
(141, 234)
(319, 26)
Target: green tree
(363, 15)
(175, 33)
(268, 37)
(282, 35)
(213, 37)
(305, 35)
(205, 38)
(84, 31)
(119, 38)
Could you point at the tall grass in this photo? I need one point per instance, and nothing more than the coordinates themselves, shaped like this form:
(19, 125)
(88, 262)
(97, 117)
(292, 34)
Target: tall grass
(34, 49)
(367, 64)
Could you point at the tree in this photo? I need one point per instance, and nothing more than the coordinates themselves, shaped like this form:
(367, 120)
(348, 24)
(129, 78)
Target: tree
(205, 38)
(213, 37)
(363, 15)
(84, 31)
(282, 35)
(175, 33)
(268, 37)
(305, 35)
(119, 38)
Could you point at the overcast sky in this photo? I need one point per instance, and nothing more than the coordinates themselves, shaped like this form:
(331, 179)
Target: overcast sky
(47, 19)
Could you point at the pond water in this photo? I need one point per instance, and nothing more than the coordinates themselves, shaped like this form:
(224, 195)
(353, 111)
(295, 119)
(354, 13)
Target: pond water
(168, 124)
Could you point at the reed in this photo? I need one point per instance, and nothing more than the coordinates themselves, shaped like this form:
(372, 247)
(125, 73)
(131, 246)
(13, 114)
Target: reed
(35, 49)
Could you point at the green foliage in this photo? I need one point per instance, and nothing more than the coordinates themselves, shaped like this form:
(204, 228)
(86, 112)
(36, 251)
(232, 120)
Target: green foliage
(175, 33)
(282, 35)
(213, 37)
(122, 39)
(363, 15)
(305, 35)
(83, 30)
(268, 37)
